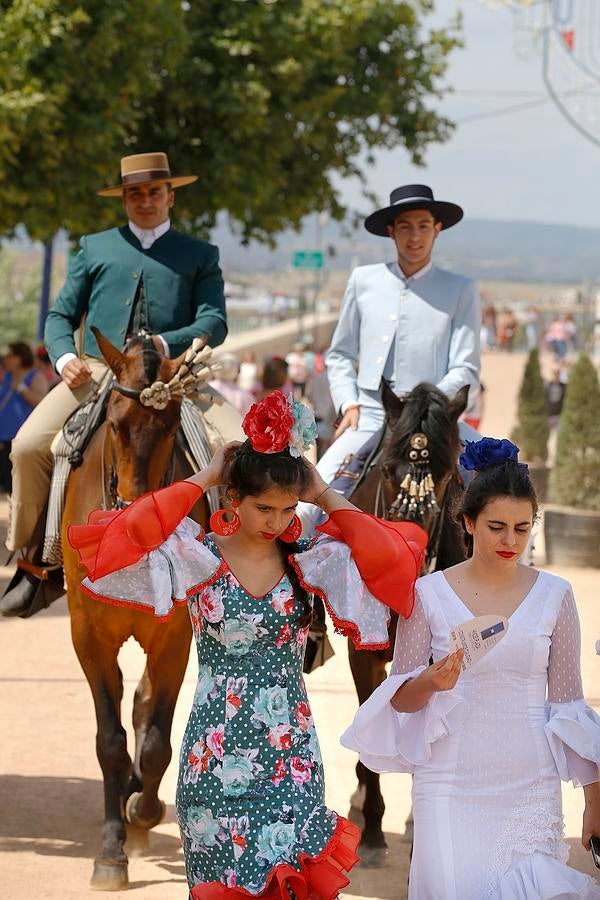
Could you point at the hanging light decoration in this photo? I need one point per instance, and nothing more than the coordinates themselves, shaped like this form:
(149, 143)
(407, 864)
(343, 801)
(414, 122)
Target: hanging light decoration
(496, 3)
(565, 34)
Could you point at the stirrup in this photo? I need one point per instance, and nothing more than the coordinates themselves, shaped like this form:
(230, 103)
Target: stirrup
(48, 587)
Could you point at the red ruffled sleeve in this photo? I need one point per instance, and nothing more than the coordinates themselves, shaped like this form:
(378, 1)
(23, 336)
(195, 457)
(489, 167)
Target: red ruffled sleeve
(388, 555)
(115, 539)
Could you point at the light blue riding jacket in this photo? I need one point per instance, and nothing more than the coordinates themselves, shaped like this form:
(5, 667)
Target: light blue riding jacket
(424, 330)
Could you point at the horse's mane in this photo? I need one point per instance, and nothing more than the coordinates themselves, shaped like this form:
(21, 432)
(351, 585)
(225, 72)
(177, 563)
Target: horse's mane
(150, 356)
(426, 409)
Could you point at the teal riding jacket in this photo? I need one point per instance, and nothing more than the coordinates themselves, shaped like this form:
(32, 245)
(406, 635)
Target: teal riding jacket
(183, 287)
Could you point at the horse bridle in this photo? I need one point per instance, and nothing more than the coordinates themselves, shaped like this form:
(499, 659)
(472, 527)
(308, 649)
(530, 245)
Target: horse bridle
(417, 496)
(193, 373)
(136, 393)
(111, 499)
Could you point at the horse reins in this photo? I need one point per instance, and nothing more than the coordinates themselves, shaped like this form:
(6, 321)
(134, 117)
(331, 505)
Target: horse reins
(111, 498)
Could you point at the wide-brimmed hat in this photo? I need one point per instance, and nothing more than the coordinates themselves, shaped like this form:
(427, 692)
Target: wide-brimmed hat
(412, 196)
(145, 168)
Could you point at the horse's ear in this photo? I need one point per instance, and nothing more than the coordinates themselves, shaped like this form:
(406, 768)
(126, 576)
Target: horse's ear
(113, 356)
(392, 404)
(175, 364)
(459, 402)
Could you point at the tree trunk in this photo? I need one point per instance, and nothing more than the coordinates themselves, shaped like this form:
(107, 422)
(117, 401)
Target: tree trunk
(46, 283)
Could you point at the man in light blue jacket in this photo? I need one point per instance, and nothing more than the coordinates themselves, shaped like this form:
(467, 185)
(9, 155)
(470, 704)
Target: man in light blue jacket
(407, 321)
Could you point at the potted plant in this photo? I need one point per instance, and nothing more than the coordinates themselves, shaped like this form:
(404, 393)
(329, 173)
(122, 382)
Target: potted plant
(531, 431)
(572, 523)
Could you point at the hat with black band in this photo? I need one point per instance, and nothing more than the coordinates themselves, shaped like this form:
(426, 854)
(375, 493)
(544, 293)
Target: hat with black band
(411, 197)
(146, 168)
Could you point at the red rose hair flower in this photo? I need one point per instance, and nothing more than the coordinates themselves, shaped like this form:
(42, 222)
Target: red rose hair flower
(268, 424)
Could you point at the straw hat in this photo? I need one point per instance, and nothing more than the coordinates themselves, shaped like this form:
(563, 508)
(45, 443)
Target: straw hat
(145, 168)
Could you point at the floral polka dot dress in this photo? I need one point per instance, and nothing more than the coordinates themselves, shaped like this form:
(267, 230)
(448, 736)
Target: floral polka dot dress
(250, 792)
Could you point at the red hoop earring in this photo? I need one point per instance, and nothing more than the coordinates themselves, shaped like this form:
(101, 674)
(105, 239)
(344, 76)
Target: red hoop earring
(292, 532)
(220, 525)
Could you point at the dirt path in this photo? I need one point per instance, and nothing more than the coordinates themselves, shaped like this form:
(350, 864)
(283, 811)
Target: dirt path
(50, 787)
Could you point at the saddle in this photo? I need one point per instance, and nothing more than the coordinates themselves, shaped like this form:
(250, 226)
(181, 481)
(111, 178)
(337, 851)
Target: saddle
(357, 466)
(71, 443)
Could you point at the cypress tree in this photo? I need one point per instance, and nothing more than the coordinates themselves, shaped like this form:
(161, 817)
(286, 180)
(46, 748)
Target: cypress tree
(575, 478)
(531, 431)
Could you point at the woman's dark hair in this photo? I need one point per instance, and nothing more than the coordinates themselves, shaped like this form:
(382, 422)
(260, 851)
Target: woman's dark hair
(509, 479)
(252, 473)
(23, 351)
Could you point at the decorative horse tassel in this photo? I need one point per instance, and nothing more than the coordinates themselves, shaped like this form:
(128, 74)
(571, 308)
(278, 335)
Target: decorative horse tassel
(416, 494)
(194, 372)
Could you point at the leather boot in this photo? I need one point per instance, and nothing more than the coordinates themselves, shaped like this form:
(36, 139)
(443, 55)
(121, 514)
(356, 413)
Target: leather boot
(18, 600)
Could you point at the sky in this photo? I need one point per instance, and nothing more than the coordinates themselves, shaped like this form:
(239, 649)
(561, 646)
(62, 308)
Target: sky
(531, 165)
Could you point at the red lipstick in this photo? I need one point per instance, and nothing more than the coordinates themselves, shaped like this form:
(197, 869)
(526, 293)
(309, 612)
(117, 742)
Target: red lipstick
(268, 536)
(506, 554)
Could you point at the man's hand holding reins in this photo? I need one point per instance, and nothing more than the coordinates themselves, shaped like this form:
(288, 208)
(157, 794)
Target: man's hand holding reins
(75, 373)
(349, 420)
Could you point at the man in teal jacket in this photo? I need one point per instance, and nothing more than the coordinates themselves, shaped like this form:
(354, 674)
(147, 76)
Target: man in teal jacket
(183, 289)
(142, 276)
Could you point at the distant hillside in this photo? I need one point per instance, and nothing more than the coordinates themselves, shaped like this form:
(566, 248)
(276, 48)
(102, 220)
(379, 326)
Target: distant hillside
(484, 249)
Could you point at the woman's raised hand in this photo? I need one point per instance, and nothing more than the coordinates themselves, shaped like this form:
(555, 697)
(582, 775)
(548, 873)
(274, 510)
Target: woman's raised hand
(315, 487)
(443, 675)
(216, 471)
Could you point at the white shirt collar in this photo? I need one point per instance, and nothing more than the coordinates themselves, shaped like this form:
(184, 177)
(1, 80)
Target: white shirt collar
(407, 279)
(147, 236)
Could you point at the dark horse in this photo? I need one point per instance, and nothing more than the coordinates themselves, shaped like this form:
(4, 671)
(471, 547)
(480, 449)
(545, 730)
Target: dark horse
(133, 452)
(425, 411)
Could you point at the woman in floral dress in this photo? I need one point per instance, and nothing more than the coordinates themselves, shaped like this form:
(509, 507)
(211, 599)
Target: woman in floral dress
(250, 795)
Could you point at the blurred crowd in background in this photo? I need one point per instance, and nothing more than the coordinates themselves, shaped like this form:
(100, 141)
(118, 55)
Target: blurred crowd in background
(244, 379)
(529, 329)
(26, 375)
(557, 335)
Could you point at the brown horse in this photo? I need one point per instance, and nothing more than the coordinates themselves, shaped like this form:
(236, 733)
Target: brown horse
(133, 452)
(426, 410)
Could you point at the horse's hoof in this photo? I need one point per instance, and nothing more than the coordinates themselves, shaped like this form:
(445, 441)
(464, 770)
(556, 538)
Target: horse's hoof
(137, 841)
(133, 818)
(109, 875)
(373, 857)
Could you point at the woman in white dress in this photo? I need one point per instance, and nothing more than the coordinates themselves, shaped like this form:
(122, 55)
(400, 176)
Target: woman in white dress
(489, 745)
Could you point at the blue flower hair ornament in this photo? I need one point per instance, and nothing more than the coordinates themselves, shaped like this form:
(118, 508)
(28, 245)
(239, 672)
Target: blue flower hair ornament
(488, 452)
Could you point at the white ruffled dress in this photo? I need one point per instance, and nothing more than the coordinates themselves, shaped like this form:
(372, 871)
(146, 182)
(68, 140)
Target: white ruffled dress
(488, 756)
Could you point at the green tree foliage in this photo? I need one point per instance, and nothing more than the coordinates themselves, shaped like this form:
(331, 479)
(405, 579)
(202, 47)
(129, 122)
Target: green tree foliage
(269, 101)
(531, 431)
(575, 478)
(19, 297)
(20, 275)
(76, 79)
